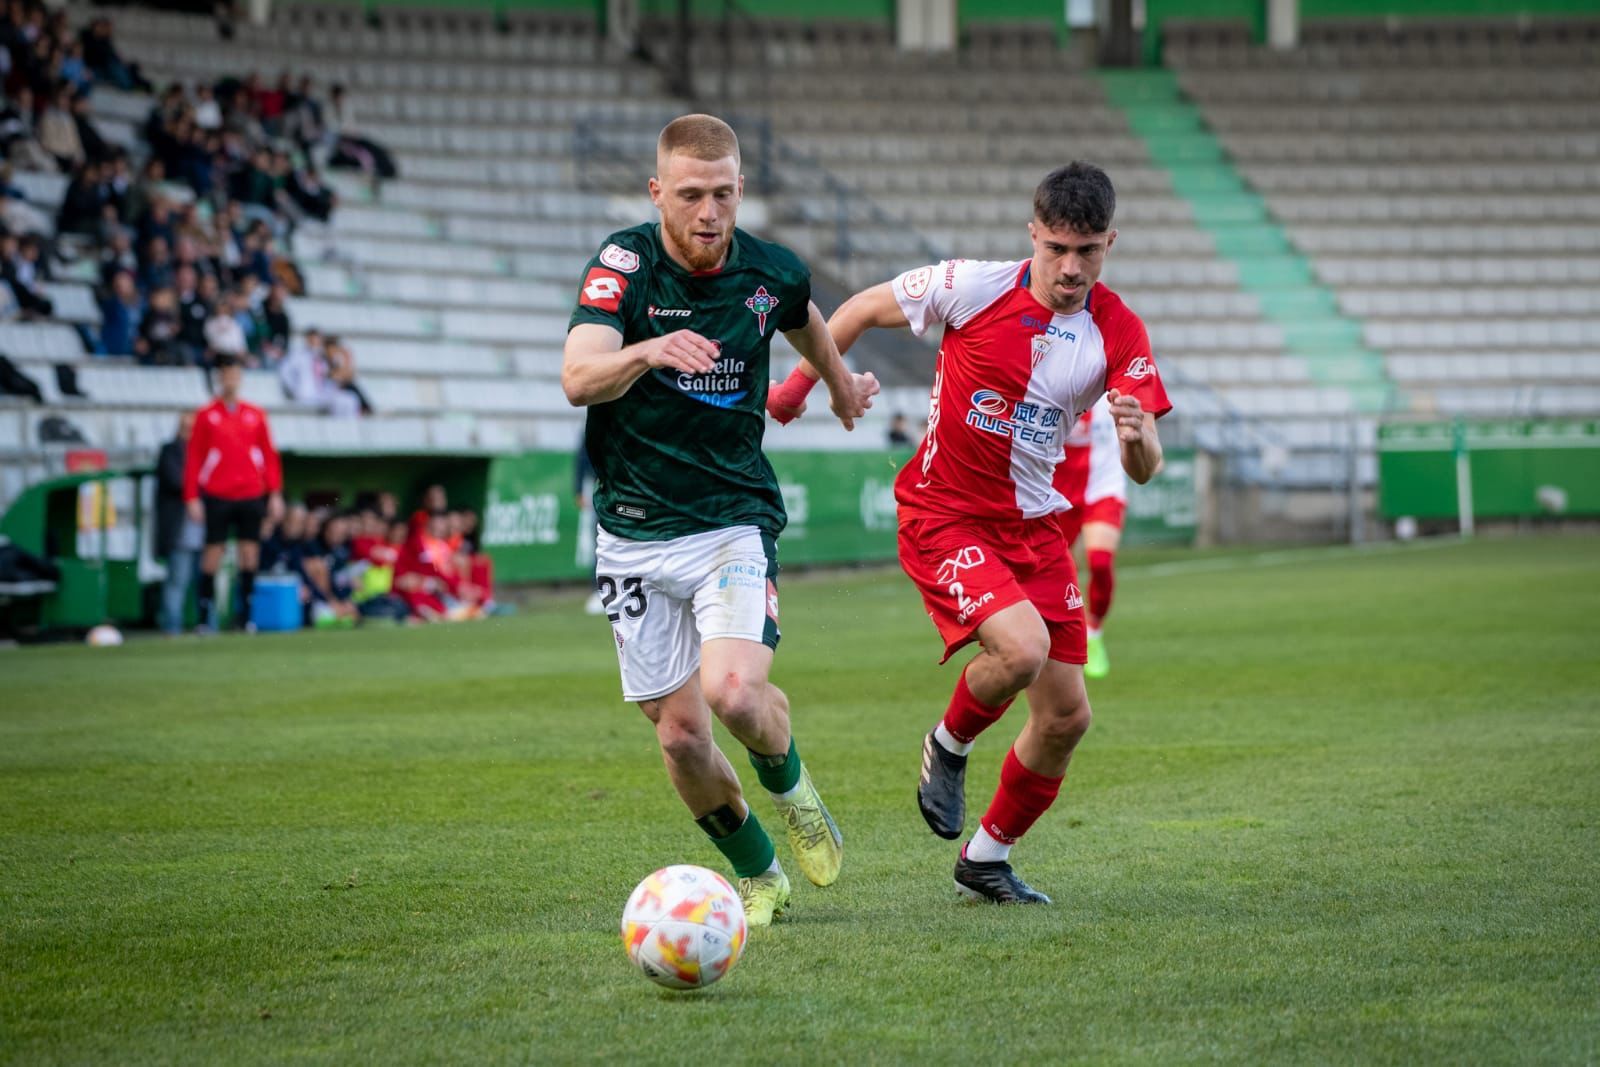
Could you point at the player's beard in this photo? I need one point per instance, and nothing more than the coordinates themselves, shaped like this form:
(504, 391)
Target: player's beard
(697, 255)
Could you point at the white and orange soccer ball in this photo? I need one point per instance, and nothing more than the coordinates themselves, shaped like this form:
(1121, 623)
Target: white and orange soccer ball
(684, 927)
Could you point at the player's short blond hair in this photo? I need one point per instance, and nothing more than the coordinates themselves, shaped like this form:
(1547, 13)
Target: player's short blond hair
(699, 137)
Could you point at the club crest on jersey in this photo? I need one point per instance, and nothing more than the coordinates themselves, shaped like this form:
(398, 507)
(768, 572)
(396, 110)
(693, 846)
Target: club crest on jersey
(1041, 347)
(761, 303)
(619, 258)
(1140, 368)
(1074, 598)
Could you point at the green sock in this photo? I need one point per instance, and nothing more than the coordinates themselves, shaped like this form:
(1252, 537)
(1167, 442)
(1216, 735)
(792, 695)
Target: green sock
(747, 846)
(778, 774)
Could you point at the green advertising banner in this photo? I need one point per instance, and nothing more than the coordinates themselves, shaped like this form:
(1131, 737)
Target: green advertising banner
(1166, 510)
(1519, 468)
(841, 510)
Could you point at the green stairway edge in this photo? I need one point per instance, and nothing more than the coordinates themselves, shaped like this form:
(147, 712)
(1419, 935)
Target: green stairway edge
(1329, 343)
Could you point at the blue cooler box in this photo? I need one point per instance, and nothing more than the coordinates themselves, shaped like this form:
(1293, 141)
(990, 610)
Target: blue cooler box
(276, 603)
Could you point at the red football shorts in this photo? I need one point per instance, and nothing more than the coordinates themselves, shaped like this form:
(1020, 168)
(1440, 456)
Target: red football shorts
(1107, 509)
(967, 571)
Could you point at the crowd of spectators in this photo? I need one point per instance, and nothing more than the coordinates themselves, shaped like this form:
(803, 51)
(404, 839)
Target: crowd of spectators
(371, 562)
(363, 563)
(188, 242)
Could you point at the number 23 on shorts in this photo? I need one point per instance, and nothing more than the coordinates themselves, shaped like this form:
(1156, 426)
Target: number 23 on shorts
(621, 597)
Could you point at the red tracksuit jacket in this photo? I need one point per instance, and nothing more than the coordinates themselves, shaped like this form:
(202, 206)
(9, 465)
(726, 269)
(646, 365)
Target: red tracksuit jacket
(231, 454)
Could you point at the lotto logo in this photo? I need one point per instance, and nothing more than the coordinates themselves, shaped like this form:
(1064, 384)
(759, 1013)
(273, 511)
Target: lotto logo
(1140, 368)
(603, 289)
(1074, 598)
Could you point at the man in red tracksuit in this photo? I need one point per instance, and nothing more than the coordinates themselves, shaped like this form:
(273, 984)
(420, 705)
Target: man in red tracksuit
(232, 480)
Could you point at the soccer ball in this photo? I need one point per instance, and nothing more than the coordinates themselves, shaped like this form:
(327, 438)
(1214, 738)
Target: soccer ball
(684, 927)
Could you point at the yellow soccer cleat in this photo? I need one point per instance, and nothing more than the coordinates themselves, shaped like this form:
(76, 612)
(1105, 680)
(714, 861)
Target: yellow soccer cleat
(815, 839)
(764, 896)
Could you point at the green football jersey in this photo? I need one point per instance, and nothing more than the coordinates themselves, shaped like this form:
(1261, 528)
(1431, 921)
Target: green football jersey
(679, 454)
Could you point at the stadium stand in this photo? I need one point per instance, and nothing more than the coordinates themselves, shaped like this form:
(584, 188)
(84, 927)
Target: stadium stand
(519, 150)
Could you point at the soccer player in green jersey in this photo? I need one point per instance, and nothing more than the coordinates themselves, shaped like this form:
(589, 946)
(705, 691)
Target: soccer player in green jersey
(669, 349)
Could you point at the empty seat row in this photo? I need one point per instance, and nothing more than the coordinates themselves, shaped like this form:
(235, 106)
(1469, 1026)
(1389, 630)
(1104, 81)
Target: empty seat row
(1572, 270)
(1388, 119)
(1493, 333)
(1413, 148)
(1474, 302)
(1460, 239)
(1441, 207)
(1501, 176)
(1518, 365)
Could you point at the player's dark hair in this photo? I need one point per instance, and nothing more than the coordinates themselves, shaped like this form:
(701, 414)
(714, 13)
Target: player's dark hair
(1078, 196)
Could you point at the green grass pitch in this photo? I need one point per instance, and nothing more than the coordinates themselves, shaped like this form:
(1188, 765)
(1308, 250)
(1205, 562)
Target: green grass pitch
(1335, 807)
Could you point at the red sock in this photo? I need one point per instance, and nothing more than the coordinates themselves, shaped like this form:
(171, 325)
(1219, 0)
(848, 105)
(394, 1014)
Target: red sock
(967, 717)
(1102, 579)
(1023, 796)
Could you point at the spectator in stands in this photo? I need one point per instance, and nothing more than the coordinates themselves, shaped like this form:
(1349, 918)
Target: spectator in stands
(155, 270)
(31, 302)
(144, 189)
(207, 112)
(82, 207)
(303, 122)
(179, 539)
(197, 297)
(117, 256)
(233, 481)
(18, 140)
(18, 269)
(73, 71)
(94, 145)
(255, 252)
(389, 508)
(58, 132)
(225, 338)
(342, 372)
(350, 148)
(158, 222)
(159, 341)
(306, 190)
(899, 435)
(120, 316)
(275, 323)
(100, 53)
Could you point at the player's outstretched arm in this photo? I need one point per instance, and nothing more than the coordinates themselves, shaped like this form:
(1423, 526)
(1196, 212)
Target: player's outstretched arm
(1136, 436)
(596, 367)
(850, 394)
(870, 307)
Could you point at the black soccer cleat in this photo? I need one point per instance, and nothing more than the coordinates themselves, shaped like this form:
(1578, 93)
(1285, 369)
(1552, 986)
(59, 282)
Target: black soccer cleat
(941, 791)
(994, 883)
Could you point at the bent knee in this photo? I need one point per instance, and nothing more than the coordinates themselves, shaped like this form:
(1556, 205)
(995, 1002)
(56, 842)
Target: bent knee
(683, 742)
(1066, 729)
(735, 698)
(1023, 656)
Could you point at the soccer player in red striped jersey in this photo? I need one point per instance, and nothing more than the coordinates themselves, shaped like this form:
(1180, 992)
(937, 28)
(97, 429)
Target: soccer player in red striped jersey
(1028, 346)
(1093, 481)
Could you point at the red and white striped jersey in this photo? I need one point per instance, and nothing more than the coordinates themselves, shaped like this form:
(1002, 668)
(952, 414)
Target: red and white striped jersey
(1012, 378)
(1092, 468)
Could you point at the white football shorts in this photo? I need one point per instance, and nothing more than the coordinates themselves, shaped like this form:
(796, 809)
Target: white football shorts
(666, 598)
